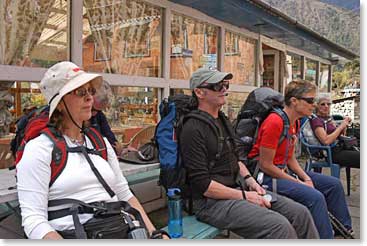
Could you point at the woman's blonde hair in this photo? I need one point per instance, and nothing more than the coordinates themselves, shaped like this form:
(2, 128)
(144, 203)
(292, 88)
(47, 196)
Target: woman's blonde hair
(297, 88)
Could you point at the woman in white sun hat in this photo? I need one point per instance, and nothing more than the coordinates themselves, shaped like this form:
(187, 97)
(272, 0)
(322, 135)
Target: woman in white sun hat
(69, 92)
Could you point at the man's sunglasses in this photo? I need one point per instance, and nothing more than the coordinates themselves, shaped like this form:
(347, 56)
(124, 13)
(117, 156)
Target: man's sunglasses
(309, 100)
(324, 104)
(216, 87)
(82, 92)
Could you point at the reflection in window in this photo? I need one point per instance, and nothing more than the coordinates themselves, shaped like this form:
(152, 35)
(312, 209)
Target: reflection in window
(127, 36)
(29, 96)
(235, 100)
(296, 67)
(232, 46)
(33, 33)
(180, 91)
(132, 108)
(324, 78)
(310, 70)
(193, 45)
(239, 59)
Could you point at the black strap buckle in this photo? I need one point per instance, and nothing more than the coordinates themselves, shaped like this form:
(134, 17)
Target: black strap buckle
(158, 234)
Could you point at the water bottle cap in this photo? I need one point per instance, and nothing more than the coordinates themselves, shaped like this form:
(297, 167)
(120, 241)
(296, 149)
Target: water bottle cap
(173, 192)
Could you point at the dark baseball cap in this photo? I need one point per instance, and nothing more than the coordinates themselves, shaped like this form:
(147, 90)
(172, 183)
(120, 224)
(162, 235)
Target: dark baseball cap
(209, 76)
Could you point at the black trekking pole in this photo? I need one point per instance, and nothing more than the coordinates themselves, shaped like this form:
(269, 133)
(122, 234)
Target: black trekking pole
(340, 227)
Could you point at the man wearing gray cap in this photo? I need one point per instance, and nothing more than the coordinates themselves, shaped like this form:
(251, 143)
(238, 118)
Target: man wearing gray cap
(217, 198)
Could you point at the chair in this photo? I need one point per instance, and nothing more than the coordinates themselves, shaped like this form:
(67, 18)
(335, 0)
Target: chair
(319, 162)
(141, 137)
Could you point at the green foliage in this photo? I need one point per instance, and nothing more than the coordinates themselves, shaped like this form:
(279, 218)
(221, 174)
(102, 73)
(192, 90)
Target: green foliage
(346, 75)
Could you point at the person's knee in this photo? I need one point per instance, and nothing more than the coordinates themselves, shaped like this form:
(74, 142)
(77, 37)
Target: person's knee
(280, 227)
(336, 184)
(316, 197)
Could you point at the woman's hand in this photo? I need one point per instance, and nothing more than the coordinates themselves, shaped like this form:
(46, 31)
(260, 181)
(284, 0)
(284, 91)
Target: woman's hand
(255, 198)
(346, 122)
(308, 182)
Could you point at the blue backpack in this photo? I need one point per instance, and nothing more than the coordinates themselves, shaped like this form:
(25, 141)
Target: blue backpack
(174, 113)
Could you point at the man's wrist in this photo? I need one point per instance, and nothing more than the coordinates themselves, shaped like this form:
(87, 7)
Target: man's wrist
(243, 195)
(247, 176)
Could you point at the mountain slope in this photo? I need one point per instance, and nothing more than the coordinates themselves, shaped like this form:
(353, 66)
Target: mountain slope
(336, 24)
(347, 4)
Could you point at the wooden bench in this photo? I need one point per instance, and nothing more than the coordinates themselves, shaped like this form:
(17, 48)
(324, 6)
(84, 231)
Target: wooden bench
(194, 229)
(142, 177)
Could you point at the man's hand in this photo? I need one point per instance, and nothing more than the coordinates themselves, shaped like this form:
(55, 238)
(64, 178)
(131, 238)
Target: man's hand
(255, 198)
(254, 186)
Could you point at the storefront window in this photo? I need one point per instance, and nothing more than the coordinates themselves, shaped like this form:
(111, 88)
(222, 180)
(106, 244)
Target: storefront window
(33, 33)
(239, 58)
(193, 45)
(235, 100)
(296, 67)
(311, 70)
(24, 97)
(180, 91)
(123, 37)
(324, 78)
(131, 109)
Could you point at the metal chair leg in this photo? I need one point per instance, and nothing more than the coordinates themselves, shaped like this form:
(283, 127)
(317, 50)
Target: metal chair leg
(347, 171)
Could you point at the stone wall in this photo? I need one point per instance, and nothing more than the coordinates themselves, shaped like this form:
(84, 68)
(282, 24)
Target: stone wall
(347, 107)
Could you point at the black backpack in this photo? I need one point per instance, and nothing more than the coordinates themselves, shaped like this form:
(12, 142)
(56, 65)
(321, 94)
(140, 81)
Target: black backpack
(174, 113)
(258, 105)
(21, 125)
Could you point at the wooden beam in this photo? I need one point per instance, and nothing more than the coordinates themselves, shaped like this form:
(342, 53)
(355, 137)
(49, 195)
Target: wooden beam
(24, 90)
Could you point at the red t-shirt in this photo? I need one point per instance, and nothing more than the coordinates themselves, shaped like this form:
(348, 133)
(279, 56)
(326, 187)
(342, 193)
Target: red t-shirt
(269, 135)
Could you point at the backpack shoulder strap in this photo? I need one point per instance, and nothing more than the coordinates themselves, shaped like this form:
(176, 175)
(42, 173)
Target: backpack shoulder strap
(286, 123)
(59, 153)
(209, 120)
(97, 140)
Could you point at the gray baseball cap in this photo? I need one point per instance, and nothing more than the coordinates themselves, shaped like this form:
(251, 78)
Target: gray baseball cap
(207, 75)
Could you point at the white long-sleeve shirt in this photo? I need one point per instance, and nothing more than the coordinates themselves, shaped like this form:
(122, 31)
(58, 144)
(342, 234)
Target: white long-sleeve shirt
(76, 181)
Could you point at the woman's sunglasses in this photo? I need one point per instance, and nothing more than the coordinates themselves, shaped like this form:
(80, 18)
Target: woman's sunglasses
(82, 92)
(324, 104)
(216, 87)
(309, 100)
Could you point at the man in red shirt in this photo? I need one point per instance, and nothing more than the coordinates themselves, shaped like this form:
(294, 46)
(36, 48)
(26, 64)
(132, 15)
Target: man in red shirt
(318, 192)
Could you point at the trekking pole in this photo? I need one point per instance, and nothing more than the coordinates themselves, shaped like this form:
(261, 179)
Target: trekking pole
(340, 227)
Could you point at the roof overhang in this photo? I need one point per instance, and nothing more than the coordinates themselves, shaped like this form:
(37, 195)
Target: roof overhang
(259, 17)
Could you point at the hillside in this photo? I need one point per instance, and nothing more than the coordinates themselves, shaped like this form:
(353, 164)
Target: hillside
(347, 4)
(338, 24)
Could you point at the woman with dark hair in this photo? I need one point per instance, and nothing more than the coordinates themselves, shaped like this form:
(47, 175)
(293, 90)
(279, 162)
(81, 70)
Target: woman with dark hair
(327, 133)
(319, 193)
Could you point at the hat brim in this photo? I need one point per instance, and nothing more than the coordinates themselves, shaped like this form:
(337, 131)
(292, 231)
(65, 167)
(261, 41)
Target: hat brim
(218, 77)
(73, 84)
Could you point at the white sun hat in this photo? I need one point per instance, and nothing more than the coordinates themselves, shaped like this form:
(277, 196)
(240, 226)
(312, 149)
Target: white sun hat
(62, 78)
